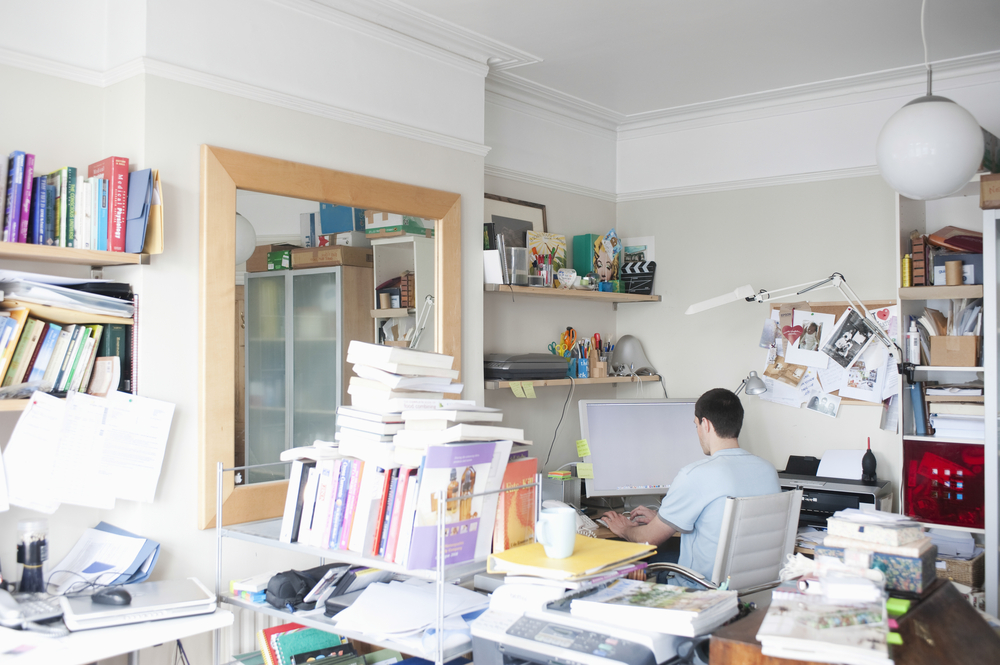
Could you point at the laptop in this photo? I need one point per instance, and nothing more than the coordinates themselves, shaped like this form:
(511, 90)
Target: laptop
(151, 601)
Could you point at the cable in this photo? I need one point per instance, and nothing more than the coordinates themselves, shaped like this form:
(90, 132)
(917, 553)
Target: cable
(572, 387)
(923, 36)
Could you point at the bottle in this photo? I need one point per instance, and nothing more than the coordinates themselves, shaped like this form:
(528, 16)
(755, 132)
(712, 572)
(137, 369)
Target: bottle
(913, 344)
(451, 507)
(32, 552)
(468, 483)
(906, 275)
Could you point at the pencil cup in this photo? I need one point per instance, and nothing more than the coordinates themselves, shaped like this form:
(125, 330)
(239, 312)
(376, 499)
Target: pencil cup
(571, 369)
(384, 300)
(556, 531)
(953, 273)
(583, 368)
(598, 370)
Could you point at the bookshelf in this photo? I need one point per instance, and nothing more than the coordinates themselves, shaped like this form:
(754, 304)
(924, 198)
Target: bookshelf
(498, 385)
(569, 294)
(16, 251)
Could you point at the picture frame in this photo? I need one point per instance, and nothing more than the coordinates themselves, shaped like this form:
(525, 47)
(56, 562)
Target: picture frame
(512, 218)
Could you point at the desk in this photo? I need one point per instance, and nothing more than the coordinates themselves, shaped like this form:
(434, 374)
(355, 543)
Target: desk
(88, 646)
(941, 628)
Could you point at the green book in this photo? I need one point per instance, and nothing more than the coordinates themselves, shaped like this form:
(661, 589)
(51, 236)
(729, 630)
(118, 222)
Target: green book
(117, 341)
(288, 645)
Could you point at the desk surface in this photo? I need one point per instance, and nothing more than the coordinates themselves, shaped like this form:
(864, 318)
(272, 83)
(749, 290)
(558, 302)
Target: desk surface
(88, 646)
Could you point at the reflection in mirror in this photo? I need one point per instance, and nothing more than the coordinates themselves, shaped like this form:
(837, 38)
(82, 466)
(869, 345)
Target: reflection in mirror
(296, 324)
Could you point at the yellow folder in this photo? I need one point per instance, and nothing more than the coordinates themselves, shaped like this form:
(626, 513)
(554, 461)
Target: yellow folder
(590, 556)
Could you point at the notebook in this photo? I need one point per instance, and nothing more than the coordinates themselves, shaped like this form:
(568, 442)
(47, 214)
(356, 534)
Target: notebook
(150, 601)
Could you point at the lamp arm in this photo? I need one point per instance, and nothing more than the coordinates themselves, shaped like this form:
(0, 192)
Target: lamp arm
(739, 389)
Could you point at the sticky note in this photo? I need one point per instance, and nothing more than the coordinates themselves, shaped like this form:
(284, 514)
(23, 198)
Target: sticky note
(894, 638)
(585, 470)
(897, 606)
(529, 389)
(515, 387)
(582, 449)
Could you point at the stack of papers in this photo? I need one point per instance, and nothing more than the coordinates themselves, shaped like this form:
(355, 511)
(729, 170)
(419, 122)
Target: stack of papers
(105, 555)
(954, 544)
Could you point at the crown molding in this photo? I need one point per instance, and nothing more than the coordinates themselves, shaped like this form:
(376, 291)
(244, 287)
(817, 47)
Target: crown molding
(48, 67)
(542, 101)
(559, 185)
(770, 181)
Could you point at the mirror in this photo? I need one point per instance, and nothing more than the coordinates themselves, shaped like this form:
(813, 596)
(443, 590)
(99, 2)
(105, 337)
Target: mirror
(224, 171)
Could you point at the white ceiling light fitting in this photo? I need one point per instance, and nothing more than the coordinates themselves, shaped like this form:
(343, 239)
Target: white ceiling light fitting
(246, 239)
(931, 147)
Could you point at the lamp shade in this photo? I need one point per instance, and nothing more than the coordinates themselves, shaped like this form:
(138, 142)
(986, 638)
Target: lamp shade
(755, 385)
(246, 239)
(930, 148)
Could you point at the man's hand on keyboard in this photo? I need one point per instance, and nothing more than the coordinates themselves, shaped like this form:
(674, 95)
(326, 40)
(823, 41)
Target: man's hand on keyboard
(641, 515)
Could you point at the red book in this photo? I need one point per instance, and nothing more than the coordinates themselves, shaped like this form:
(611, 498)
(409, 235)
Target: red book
(115, 171)
(380, 520)
(515, 522)
(265, 637)
(397, 513)
(357, 468)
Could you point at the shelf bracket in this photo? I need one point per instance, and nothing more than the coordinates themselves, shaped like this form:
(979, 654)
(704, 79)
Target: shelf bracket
(614, 306)
(96, 272)
(908, 371)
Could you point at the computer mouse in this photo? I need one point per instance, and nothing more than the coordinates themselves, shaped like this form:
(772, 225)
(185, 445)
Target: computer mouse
(112, 595)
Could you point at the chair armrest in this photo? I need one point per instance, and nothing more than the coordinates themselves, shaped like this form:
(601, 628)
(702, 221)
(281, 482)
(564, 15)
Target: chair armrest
(681, 570)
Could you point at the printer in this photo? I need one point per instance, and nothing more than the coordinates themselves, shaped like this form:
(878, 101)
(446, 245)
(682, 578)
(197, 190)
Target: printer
(524, 367)
(822, 497)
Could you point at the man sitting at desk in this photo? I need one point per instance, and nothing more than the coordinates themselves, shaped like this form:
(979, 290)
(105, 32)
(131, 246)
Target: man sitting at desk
(696, 499)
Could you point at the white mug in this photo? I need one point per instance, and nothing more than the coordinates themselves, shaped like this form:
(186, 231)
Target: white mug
(556, 530)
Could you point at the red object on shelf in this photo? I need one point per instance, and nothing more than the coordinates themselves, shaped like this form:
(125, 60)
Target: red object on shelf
(943, 482)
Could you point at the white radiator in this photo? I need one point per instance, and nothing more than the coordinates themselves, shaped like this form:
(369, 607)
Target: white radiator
(241, 636)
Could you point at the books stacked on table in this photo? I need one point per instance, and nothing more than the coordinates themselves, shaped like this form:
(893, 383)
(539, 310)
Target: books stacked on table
(814, 627)
(660, 608)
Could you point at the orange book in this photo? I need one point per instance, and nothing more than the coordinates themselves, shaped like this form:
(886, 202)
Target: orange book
(515, 522)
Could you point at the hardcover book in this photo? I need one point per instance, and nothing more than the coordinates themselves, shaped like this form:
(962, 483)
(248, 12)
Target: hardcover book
(115, 171)
(515, 521)
(26, 192)
(15, 184)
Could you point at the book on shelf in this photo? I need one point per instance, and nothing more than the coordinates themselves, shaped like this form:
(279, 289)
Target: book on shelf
(306, 523)
(339, 499)
(39, 203)
(15, 189)
(13, 326)
(972, 388)
(395, 523)
(115, 171)
(265, 637)
(515, 520)
(661, 608)
(389, 479)
(365, 396)
(117, 341)
(59, 354)
(27, 191)
(351, 504)
(45, 349)
(290, 644)
(402, 550)
(25, 347)
(373, 354)
(364, 518)
(590, 557)
(956, 408)
(318, 535)
(458, 433)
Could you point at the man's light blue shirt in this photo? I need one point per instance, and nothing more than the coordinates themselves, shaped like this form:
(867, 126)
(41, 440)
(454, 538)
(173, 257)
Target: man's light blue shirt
(697, 498)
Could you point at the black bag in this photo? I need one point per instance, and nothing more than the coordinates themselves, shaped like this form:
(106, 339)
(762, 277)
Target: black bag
(291, 586)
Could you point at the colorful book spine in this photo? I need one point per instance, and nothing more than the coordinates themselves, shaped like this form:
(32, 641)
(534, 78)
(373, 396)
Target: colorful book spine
(39, 201)
(15, 184)
(102, 214)
(50, 234)
(357, 467)
(43, 330)
(26, 187)
(69, 220)
(115, 170)
(397, 513)
(340, 501)
(390, 502)
(45, 349)
(380, 515)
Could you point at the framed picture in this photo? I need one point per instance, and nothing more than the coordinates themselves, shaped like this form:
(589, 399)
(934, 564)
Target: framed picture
(511, 219)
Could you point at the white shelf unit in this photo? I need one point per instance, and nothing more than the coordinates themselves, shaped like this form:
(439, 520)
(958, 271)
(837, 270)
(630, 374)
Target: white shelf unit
(961, 210)
(393, 256)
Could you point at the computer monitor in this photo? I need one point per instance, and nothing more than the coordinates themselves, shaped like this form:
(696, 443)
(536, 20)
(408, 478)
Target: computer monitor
(637, 446)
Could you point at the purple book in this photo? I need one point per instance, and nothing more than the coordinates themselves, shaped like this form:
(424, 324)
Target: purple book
(12, 212)
(29, 176)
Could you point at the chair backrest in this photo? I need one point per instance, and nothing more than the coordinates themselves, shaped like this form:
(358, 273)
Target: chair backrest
(758, 532)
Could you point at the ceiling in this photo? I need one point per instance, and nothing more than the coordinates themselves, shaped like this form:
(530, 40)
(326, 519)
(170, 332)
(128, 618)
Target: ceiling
(631, 57)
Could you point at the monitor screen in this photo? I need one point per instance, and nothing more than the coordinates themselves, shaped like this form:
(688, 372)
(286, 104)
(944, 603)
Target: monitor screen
(637, 446)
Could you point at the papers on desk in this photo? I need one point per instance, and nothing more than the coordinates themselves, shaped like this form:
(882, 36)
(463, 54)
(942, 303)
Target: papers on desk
(86, 450)
(105, 555)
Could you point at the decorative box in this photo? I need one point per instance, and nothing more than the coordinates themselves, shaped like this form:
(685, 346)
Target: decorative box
(902, 573)
(943, 482)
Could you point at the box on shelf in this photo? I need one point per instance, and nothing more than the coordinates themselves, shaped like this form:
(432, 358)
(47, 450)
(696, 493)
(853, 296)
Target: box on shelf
(258, 260)
(338, 219)
(583, 253)
(279, 260)
(388, 225)
(970, 573)
(337, 255)
(407, 285)
(902, 573)
(346, 238)
(989, 191)
(953, 351)
(943, 482)
(970, 263)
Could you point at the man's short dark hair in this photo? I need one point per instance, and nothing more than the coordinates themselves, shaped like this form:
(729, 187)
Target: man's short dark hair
(723, 409)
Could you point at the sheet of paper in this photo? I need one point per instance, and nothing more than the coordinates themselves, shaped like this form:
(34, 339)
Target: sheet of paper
(136, 438)
(781, 393)
(841, 464)
(866, 375)
(400, 608)
(515, 387)
(891, 387)
(78, 475)
(890, 414)
(814, 329)
(33, 441)
(98, 557)
(831, 378)
(809, 385)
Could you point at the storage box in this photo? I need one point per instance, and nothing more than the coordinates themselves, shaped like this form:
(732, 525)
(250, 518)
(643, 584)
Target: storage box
(970, 262)
(954, 351)
(337, 255)
(943, 482)
(989, 191)
(902, 573)
(388, 224)
(399, 230)
(583, 253)
(338, 219)
(347, 239)
(258, 260)
(279, 260)
(970, 573)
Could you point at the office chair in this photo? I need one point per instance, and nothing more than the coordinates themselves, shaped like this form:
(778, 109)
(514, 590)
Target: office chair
(758, 534)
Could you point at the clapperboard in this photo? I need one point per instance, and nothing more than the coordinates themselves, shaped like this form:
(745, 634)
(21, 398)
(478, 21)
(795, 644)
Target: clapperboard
(637, 277)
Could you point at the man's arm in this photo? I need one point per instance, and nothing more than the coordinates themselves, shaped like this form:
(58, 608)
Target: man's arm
(654, 532)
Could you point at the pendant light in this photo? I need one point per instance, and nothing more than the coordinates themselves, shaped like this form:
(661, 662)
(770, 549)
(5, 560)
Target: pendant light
(931, 147)
(246, 239)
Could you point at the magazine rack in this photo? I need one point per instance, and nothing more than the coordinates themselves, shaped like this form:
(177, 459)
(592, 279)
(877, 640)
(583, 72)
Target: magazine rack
(265, 532)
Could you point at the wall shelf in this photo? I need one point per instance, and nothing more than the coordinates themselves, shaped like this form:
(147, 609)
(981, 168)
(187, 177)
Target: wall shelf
(569, 294)
(497, 385)
(940, 292)
(949, 439)
(939, 368)
(18, 251)
(395, 313)
(13, 405)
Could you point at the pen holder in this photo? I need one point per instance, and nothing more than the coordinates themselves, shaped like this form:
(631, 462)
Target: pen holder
(599, 370)
(582, 368)
(571, 369)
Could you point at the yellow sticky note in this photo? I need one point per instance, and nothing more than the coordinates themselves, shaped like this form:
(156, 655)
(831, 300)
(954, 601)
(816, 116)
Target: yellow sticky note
(582, 448)
(585, 470)
(515, 387)
(529, 389)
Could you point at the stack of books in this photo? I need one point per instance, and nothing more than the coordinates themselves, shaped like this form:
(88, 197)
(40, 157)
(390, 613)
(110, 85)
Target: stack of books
(659, 608)
(956, 411)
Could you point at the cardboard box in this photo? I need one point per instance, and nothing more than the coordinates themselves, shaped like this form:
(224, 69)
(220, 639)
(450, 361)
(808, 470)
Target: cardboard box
(401, 230)
(954, 351)
(279, 260)
(902, 573)
(347, 239)
(338, 219)
(389, 224)
(258, 260)
(337, 255)
(989, 191)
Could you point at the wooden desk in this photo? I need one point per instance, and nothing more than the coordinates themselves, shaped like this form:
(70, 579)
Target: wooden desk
(88, 646)
(942, 628)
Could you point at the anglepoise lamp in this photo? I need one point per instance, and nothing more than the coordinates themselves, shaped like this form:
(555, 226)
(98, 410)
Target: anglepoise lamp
(931, 147)
(753, 385)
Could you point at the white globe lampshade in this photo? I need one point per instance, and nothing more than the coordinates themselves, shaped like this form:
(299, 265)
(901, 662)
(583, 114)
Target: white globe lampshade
(929, 148)
(246, 239)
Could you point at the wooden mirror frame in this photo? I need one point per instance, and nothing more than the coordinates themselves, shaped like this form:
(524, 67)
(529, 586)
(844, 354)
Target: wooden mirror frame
(224, 171)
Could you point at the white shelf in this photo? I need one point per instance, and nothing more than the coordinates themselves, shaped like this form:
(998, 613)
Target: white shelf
(265, 532)
(318, 620)
(937, 439)
(939, 368)
(948, 527)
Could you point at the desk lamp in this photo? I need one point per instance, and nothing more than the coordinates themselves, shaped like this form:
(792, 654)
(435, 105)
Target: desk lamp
(753, 385)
